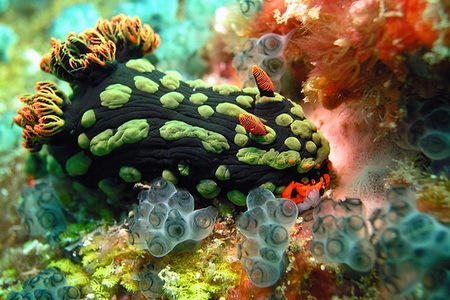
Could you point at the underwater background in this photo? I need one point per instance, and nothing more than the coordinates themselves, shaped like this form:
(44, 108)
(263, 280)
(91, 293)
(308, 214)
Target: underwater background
(296, 149)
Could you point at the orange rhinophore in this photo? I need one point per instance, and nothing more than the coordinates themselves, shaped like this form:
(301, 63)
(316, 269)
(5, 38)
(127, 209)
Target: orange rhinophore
(252, 124)
(263, 82)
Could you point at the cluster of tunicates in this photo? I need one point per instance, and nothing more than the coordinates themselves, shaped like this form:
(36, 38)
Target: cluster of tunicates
(49, 284)
(407, 248)
(41, 211)
(427, 128)
(413, 246)
(150, 284)
(165, 218)
(265, 52)
(266, 226)
(341, 234)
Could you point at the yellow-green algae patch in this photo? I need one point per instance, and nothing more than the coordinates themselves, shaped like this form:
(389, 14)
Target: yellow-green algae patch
(78, 164)
(208, 188)
(271, 158)
(88, 118)
(171, 80)
(211, 141)
(129, 132)
(237, 197)
(198, 98)
(140, 65)
(245, 100)
(115, 95)
(222, 173)
(205, 111)
(171, 100)
(83, 141)
(284, 120)
(293, 143)
(145, 84)
(130, 174)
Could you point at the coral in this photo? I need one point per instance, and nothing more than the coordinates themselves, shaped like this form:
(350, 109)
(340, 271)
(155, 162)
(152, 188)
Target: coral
(151, 123)
(42, 212)
(266, 226)
(165, 219)
(48, 284)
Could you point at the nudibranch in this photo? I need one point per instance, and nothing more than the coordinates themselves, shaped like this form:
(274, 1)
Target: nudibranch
(127, 122)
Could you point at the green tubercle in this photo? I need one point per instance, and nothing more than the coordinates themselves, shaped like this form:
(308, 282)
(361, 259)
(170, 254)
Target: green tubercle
(78, 164)
(265, 99)
(222, 173)
(268, 138)
(293, 143)
(83, 141)
(230, 109)
(171, 100)
(140, 65)
(130, 174)
(205, 111)
(111, 187)
(145, 84)
(317, 138)
(268, 186)
(211, 141)
(251, 90)
(168, 175)
(197, 84)
(271, 158)
(245, 100)
(304, 128)
(311, 147)
(297, 110)
(240, 129)
(115, 95)
(225, 89)
(183, 168)
(198, 98)
(284, 120)
(208, 188)
(171, 80)
(306, 164)
(237, 198)
(88, 118)
(129, 132)
(240, 139)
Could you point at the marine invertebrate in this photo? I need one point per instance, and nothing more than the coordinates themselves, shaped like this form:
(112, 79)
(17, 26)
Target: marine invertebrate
(127, 122)
(48, 284)
(165, 219)
(266, 226)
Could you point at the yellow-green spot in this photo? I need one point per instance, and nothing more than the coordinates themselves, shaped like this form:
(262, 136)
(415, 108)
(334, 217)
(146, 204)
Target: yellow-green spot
(323, 152)
(245, 100)
(225, 89)
(111, 187)
(265, 99)
(183, 168)
(83, 141)
(88, 118)
(271, 158)
(240, 129)
(171, 100)
(208, 188)
(311, 147)
(293, 143)
(279, 189)
(197, 84)
(240, 139)
(130, 174)
(168, 175)
(78, 164)
(251, 90)
(268, 138)
(205, 111)
(140, 65)
(145, 84)
(222, 172)
(303, 128)
(237, 198)
(268, 186)
(171, 80)
(211, 141)
(115, 95)
(230, 109)
(305, 165)
(284, 120)
(297, 110)
(198, 98)
(129, 132)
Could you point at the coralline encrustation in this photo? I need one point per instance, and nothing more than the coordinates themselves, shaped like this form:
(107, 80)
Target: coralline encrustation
(127, 121)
